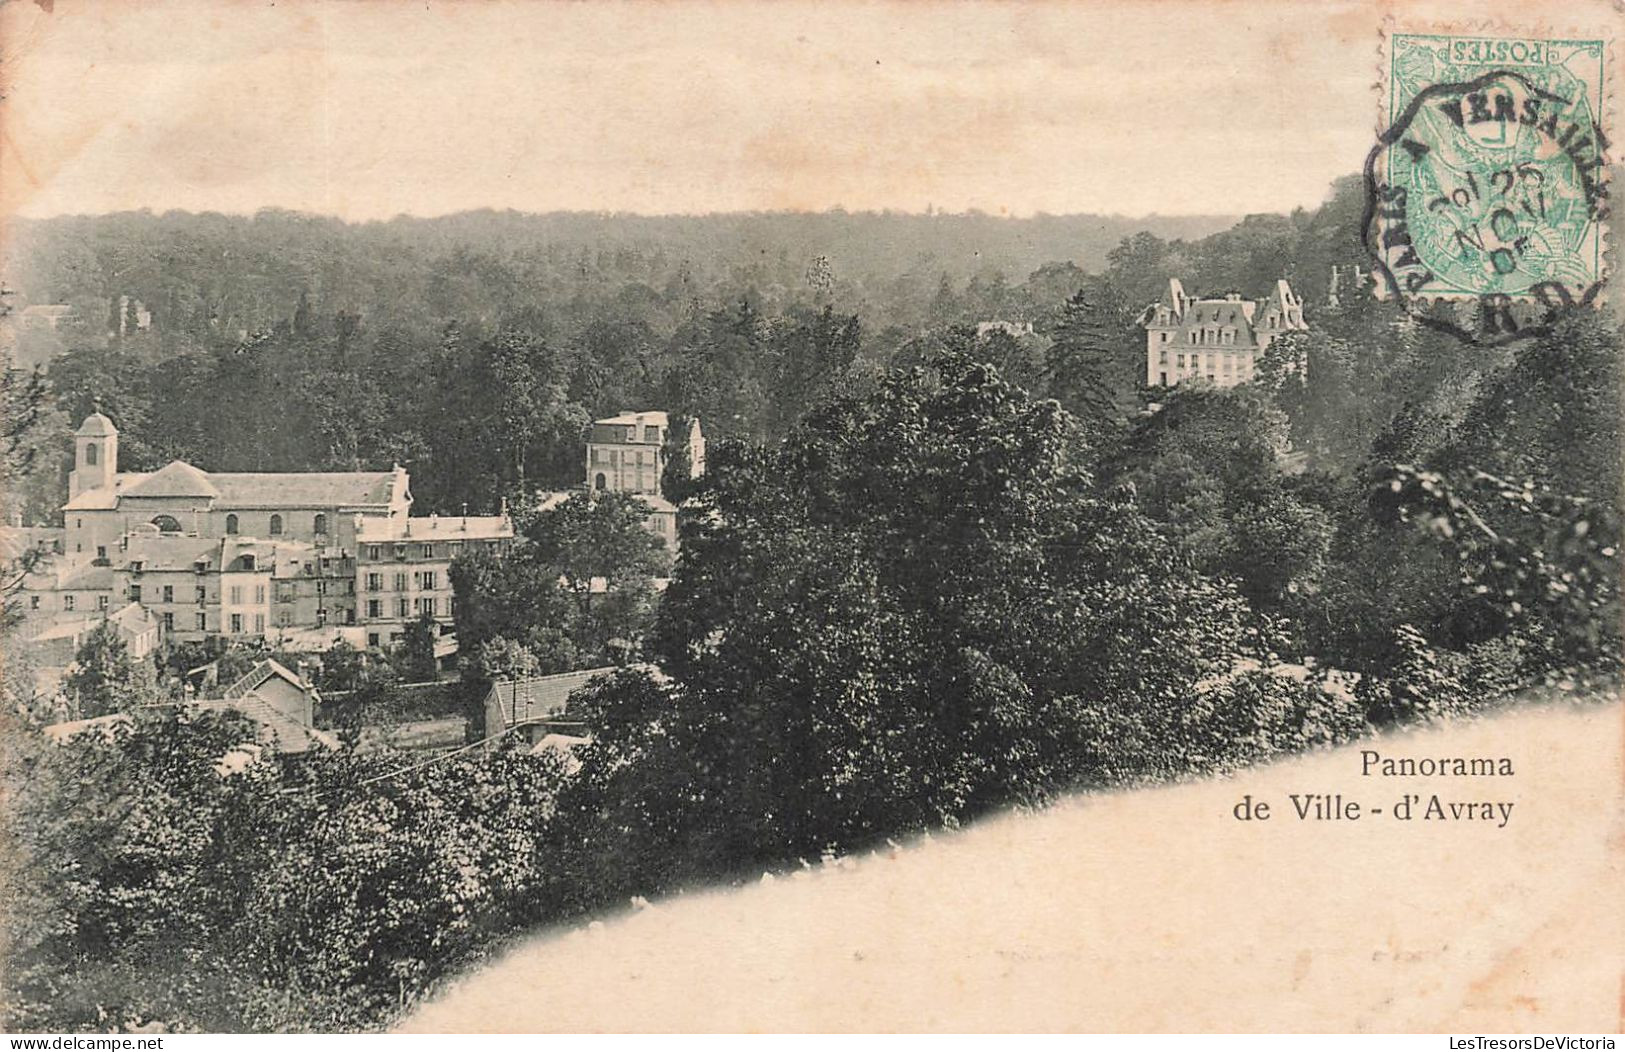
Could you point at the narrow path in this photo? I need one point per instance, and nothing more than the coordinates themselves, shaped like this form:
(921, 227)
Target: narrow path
(1151, 910)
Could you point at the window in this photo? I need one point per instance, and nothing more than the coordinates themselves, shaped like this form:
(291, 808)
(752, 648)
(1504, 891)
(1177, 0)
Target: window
(1164, 337)
(1162, 357)
(169, 621)
(373, 552)
(166, 524)
(428, 551)
(236, 595)
(259, 595)
(169, 593)
(135, 596)
(284, 617)
(101, 551)
(90, 453)
(375, 608)
(372, 639)
(321, 587)
(203, 622)
(400, 582)
(248, 562)
(349, 615)
(259, 624)
(400, 551)
(375, 582)
(236, 623)
(67, 602)
(202, 596)
(1181, 358)
(276, 526)
(33, 602)
(231, 524)
(600, 482)
(321, 524)
(430, 579)
(1163, 379)
(349, 586)
(426, 605)
(402, 609)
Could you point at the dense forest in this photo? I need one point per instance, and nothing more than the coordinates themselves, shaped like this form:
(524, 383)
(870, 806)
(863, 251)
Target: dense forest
(468, 348)
(931, 572)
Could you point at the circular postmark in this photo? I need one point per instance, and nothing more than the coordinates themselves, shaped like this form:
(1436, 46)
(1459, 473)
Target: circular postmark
(1489, 190)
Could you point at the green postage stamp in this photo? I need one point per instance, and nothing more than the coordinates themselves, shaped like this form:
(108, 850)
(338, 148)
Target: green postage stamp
(1488, 181)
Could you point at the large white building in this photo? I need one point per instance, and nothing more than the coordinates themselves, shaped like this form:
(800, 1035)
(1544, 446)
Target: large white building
(626, 453)
(1217, 341)
(275, 556)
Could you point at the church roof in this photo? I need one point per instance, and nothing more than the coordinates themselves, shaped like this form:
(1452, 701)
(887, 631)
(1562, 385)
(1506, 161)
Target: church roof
(305, 489)
(175, 479)
(96, 426)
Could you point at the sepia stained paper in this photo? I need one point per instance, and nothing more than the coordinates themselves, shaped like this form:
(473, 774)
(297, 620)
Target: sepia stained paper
(1156, 909)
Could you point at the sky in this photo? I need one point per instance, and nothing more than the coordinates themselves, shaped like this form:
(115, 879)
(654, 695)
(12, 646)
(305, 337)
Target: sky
(367, 109)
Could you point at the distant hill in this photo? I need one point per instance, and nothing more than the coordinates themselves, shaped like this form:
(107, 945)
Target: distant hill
(198, 271)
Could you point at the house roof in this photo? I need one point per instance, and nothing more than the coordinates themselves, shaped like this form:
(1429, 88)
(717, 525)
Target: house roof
(426, 528)
(175, 479)
(630, 416)
(85, 577)
(291, 735)
(106, 726)
(523, 701)
(255, 677)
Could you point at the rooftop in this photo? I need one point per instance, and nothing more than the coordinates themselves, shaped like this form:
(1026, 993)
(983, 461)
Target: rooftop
(537, 698)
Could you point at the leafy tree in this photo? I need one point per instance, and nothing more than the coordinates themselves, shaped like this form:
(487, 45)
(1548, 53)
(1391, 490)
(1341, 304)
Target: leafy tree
(418, 664)
(104, 678)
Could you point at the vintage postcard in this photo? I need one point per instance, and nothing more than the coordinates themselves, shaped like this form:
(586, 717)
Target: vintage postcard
(718, 516)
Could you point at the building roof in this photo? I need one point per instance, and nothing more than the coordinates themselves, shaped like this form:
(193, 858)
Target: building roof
(523, 701)
(85, 577)
(309, 489)
(257, 676)
(285, 489)
(96, 426)
(105, 498)
(380, 530)
(291, 735)
(634, 416)
(175, 479)
(106, 726)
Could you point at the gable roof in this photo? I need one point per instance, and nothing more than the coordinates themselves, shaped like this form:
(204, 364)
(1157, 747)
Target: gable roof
(522, 701)
(175, 479)
(256, 676)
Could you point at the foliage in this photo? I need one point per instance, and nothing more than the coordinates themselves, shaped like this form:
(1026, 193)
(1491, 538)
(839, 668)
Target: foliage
(321, 893)
(104, 677)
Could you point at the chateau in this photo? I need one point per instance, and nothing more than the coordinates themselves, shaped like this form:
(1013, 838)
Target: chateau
(1215, 340)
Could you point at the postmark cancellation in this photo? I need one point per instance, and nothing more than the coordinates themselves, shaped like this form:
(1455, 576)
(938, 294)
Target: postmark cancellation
(1488, 181)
